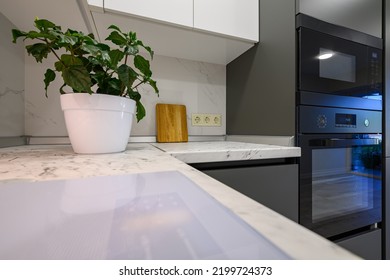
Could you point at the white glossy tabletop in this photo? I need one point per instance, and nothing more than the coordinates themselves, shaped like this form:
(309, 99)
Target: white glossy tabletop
(159, 215)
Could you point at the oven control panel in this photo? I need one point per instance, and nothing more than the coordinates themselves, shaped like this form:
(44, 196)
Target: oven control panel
(338, 120)
(345, 120)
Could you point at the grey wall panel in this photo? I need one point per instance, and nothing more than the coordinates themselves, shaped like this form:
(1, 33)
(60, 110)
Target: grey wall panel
(387, 77)
(386, 212)
(361, 15)
(386, 113)
(261, 82)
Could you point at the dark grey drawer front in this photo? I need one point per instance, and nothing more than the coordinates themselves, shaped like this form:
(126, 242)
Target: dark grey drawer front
(367, 245)
(274, 186)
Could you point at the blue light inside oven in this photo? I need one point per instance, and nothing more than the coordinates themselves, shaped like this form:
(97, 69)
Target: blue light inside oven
(374, 96)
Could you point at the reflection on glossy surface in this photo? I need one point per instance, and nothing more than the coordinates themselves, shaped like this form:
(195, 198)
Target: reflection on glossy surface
(160, 215)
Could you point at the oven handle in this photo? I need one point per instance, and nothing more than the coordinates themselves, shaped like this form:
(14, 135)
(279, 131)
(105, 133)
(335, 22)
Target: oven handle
(339, 142)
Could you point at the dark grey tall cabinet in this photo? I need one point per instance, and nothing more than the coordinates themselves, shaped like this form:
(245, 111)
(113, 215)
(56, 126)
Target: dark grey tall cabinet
(261, 83)
(386, 122)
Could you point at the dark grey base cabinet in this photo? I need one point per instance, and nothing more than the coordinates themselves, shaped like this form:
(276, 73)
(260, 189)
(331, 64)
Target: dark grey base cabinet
(275, 186)
(366, 245)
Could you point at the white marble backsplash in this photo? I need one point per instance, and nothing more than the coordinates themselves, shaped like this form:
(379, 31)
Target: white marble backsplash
(11, 82)
(200, 86)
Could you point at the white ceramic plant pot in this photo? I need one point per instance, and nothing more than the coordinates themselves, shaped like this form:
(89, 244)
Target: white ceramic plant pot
(97, 123)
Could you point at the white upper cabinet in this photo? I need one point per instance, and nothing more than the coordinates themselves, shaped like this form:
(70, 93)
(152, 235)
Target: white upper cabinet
(215, 31)
(172, 11)
(237, 18)
(96, 3)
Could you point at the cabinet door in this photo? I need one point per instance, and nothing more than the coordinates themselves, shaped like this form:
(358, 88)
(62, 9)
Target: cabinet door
(229, 17)
(97, 3)
(173, 11)
(367, 245)
(274, 186)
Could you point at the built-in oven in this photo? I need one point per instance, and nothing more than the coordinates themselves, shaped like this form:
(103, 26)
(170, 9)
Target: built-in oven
(340, 170)
(336, 61)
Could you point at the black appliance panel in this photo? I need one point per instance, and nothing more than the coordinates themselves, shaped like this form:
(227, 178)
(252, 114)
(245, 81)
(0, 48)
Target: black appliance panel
(333, 65)
(338, 120)
(340, 182)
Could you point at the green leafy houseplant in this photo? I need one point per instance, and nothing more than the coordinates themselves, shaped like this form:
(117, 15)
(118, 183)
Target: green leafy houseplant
(85, 63)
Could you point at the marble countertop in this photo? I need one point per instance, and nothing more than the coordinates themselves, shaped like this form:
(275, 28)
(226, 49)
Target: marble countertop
(55, 162)
(215, 151)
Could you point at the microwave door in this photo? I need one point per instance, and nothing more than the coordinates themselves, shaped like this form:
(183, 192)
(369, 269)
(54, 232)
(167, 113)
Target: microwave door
(332, 65)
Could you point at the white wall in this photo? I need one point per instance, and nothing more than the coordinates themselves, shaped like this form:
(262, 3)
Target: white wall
(199, 86)
(11, 82)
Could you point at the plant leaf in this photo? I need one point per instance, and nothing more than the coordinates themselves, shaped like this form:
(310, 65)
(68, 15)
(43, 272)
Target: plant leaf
(112, 26)
(103, 47)
(117, 38)
(132, 50)
(133, 36)
(141, 112)
(35, 34)
(114, 86)
(44, 24)
(58, 65)
(67, 39)
(100, 78)
(153, 84)
(149, 50)
(61, 89)
(146, 48)
(136, 96)
(50, 76)
(91, 49)
(77, 77)
(127, 75)
(16, 34)
(38, 51)
(143, 65)
(70, 60)
(115, 56)
(105, 56)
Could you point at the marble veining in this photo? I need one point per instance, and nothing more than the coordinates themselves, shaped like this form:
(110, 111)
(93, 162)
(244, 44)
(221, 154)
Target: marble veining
(55, 162)
(9, 91)
(11, 82)
(11, 112)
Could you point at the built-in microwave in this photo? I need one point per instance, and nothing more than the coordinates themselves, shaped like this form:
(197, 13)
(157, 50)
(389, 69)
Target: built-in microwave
(337, 61)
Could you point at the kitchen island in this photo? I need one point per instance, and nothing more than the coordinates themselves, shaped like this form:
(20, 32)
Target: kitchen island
(41, 163)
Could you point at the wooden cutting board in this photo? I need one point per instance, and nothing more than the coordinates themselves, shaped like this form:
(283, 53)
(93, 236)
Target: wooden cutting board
(171, 123)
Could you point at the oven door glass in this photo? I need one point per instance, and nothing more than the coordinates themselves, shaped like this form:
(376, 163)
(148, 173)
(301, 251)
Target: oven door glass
(341, 188)
(332, 65)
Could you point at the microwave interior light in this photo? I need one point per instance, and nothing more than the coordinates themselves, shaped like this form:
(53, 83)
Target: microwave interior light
(325, 55)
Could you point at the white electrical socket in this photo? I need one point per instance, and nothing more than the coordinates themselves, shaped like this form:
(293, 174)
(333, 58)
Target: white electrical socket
(206, 120)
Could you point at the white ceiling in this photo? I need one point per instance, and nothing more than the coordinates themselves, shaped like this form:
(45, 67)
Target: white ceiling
(65, 13)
